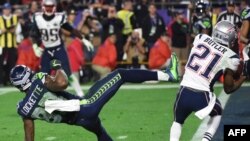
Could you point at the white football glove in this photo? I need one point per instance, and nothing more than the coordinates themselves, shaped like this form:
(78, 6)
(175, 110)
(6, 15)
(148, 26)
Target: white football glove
(37, 50)
(88, 45)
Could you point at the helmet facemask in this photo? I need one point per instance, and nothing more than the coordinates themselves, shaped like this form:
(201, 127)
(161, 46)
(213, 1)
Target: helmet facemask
(49, 7)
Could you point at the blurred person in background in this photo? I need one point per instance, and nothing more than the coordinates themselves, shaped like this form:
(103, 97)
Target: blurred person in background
(179, 39)
(129, 20)
(8, 44)
(245, 32)
(112, 24)
(230, 14)
(135, 50)
(160, 53)
(90, 27)
(19, 33)
(32, 9)
(201, 21)
(153, 26)
(26, 55)
(105, 58)
(141, 10)
(243, 5)
(75, 48)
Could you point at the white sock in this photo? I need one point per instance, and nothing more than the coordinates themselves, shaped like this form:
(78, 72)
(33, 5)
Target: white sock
(213, 124)
(166, 64)
(175, 132)
(75, 84)
(162, 76)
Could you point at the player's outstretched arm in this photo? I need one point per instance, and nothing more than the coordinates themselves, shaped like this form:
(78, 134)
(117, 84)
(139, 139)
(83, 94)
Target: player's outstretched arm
(29, 129)
(59, 82)
(230, 85)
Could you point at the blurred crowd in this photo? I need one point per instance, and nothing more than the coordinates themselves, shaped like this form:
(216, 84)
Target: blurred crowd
(124, 33)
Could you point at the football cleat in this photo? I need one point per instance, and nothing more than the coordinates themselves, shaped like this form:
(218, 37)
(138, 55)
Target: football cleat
(172, 69)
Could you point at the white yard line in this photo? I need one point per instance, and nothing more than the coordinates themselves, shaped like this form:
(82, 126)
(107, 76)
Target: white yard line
(126, 86)
(123, 137)
(50, 138)
(123, 87)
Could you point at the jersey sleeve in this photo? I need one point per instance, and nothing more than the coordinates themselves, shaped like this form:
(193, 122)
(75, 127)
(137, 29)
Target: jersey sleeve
(245, 15)
(63, 19)
(197, 39)
(233, 62)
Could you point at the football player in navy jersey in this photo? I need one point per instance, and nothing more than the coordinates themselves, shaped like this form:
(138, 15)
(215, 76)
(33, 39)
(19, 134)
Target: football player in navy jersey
(45, 98)
(245, 33)
(47, 27)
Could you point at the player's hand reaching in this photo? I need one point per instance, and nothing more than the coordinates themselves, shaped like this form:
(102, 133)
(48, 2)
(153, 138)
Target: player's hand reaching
(37, 50)
(246, 68)
(88, 45)
(55, 64)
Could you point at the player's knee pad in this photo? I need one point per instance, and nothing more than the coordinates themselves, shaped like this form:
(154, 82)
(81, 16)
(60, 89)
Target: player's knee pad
(217, 110)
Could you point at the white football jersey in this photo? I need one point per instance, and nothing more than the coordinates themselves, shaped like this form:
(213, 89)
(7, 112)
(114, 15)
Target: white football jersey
(50, 30)
(207, 61)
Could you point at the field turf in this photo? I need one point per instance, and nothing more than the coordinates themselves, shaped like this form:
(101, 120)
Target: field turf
(131, 115)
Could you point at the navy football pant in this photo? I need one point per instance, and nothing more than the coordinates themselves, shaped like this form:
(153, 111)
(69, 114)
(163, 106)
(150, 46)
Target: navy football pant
(58, 53)
(101, 92)
(189, 100)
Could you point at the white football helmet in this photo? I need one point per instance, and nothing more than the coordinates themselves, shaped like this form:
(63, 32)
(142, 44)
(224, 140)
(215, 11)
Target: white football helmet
(225, 33)
(49, 7)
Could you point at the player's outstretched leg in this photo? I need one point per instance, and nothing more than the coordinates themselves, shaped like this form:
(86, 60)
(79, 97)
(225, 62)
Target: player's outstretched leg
(172, 69)
(214, 121)
(104, 89)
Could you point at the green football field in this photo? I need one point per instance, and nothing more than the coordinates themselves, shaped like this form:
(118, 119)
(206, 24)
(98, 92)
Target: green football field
(135, 113)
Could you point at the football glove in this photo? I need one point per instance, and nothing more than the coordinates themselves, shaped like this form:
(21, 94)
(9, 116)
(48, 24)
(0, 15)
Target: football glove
(55, 64)
(40, 75)
(88, 45)
(37, 50)
(246, 68)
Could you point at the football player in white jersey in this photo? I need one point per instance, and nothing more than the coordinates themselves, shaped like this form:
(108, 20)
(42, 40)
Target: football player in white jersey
(210, 58)
(46, 29)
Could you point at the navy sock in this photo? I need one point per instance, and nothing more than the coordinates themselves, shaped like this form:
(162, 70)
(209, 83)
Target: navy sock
(137, 75)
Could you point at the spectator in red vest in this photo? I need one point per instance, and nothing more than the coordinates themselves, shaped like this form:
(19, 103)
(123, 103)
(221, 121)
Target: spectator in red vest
(76, 55)
(160, 53)
(105, 59)
(26, 55)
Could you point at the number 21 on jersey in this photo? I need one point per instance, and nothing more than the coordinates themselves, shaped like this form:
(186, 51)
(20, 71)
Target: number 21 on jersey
(198, 66)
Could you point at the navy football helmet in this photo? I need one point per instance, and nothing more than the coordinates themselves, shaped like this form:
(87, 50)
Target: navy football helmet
(21, 76)
(201, 8)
